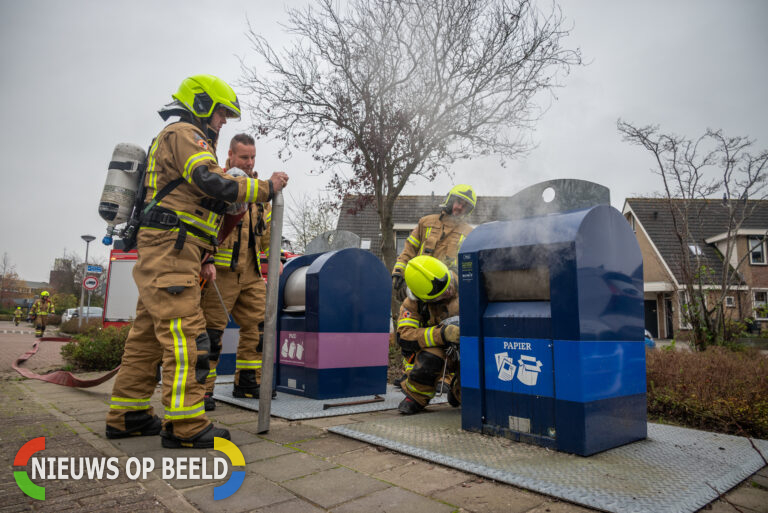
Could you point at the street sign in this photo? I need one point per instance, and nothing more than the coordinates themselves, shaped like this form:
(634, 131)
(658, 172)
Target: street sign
(90, 283)
(95, 269)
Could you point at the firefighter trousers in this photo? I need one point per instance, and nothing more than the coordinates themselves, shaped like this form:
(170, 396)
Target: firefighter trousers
(244, 296)
(169, 330)
(40, 323)
(428, 365)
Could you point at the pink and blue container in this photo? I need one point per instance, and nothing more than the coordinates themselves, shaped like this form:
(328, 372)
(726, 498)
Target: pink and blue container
(333, 325)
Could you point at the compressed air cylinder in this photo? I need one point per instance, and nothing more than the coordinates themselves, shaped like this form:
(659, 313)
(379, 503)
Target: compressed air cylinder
(122, 183)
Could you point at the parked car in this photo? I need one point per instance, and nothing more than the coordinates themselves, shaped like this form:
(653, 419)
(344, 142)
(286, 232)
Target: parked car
(89, 312)
(649, 342)
(68, 314)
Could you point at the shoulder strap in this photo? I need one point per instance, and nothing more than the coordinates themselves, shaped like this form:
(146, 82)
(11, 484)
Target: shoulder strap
(162, 194)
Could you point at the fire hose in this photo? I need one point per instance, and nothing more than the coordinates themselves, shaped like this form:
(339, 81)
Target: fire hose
(59, 377)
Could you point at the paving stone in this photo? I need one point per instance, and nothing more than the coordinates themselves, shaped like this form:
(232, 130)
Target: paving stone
(335, 486)
(394, 499)
(136, 445)
(423, 478)
(263, 450)
(289, 433)
(92, 417)
(289, 466)
(758, 480)
(553, 506)
(749, 497)
(99, 427)
(291, 506)
(240, 437)
(256, 492)
(238, 417)
(371, 460)
(487, 497)
(329, 445)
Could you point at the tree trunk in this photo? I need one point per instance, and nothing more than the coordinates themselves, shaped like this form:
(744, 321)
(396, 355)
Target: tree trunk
(387, 236)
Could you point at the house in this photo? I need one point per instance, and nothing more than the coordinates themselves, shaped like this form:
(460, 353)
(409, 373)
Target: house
(651, 220)
(407, 212)
(21, 293)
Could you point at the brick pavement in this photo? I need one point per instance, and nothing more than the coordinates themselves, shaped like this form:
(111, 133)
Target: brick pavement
(296, 467)
(17, 340)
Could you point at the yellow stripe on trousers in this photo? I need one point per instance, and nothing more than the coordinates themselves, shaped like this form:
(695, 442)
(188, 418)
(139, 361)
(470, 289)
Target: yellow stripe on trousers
(182, 364)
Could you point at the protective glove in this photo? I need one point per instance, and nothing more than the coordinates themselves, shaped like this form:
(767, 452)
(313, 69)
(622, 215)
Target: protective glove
(450, 334)
(398, 287)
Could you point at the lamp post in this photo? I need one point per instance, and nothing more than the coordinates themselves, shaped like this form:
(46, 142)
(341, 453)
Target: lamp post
(87, 239)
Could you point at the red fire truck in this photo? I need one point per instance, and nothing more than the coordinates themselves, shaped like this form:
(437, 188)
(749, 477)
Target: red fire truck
(121, 293)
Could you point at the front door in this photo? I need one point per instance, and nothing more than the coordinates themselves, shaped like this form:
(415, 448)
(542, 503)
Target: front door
(651, 317)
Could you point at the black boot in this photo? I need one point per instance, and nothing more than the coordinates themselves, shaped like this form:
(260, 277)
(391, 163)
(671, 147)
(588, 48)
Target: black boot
(408, 406)
(137, 423)
(246, 385)
(210, 404)
(203, 440)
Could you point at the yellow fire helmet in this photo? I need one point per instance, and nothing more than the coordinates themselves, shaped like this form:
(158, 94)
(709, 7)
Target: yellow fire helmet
(44, 293)
(201, 94)
(462, 191)
(427, 277)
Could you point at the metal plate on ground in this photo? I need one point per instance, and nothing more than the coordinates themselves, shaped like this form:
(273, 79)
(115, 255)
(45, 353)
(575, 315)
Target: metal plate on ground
(295, 407)
(674, 469)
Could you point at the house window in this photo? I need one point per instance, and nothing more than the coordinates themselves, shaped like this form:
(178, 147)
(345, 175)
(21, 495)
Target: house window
(400, 238)
(365, 244)
(631, 221)
(760, 303)
(756, 250)
(729, 302)
(695, 249)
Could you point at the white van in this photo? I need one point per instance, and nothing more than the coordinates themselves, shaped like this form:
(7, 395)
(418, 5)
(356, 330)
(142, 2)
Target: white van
(89, 312)
(68, 314)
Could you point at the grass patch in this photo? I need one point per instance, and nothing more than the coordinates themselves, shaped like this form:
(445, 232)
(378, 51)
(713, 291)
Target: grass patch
(716, 390)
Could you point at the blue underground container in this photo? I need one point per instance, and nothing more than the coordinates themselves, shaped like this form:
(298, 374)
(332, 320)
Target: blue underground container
(552, 331)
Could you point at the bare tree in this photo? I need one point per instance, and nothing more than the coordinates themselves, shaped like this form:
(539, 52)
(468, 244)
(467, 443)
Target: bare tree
(9, 280)
(384, 91)
(711, 166)
(309, 216)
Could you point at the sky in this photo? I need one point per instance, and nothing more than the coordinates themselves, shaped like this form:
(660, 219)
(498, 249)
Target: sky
(80, 76)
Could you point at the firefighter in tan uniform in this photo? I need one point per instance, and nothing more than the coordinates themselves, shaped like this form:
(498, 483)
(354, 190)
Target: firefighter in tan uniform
(17, 315)
(186, 191)
(434, 298)
(437, 235)
(236, 272)
(41, 308)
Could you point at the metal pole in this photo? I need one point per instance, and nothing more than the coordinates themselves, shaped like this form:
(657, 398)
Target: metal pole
(87, 239)
(270, 320)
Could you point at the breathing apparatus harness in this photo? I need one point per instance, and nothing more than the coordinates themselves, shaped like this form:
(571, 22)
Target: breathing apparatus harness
(152, 215)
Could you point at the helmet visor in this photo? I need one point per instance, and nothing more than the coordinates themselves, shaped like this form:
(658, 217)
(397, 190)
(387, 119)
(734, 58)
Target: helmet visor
(228, 111)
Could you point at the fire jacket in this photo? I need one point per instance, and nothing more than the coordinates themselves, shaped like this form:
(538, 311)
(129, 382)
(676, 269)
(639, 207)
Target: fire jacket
(42, 307)
(18, 312)
(419, 322)
(191, 211)
(437, 235)
(240, 250)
